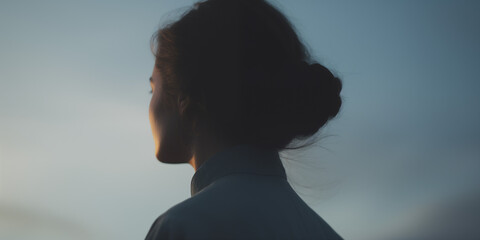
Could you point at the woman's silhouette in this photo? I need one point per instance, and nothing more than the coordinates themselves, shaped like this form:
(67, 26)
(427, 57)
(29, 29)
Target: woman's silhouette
(232, 86)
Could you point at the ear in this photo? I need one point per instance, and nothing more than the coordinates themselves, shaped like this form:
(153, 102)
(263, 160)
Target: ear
(183, 103)
(191, 111)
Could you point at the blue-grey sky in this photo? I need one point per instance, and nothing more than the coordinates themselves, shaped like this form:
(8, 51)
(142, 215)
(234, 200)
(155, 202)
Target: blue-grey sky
(76, 152)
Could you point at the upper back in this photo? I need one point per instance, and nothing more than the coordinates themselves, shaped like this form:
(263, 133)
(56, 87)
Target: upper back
(242, 193)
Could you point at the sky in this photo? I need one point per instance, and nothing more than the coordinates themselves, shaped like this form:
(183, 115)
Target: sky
(401, 160)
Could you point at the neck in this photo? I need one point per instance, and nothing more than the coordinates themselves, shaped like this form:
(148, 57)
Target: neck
(204, 148)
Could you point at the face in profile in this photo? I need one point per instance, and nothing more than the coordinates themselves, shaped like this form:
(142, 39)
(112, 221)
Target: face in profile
(171, 137)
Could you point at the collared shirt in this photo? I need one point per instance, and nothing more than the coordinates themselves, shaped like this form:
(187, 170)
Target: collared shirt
(241, 193)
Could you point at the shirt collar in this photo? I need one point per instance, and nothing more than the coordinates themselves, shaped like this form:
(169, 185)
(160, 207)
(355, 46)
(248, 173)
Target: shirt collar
(246, 159)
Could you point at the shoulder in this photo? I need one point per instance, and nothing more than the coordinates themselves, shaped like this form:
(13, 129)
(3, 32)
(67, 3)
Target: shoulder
(163, 228)
(188, 219)
(208, 214)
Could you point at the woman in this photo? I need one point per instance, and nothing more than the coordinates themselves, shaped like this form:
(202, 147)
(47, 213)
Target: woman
(232, 86)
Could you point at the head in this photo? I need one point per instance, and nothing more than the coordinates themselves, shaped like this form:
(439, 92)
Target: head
(235, 72)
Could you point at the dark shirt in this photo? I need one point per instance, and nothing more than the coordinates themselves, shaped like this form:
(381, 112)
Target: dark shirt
(241, 193)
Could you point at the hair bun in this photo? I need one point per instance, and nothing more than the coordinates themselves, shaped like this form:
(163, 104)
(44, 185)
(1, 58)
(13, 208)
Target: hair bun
(332, 83)
(318, 98)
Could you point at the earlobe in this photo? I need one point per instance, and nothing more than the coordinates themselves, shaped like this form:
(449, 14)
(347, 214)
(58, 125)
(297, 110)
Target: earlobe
(183, 103)
(189, 113)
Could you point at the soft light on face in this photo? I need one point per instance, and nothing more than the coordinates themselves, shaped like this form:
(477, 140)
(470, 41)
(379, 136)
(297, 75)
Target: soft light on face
(154, 101)
(171, 138)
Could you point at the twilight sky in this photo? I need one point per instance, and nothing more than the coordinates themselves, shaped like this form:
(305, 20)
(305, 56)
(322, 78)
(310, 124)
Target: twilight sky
(76, 151)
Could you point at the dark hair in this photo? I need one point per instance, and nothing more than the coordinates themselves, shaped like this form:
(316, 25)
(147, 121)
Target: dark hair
(245, 74)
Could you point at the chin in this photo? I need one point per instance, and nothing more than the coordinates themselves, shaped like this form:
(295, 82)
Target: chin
(173, 154)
